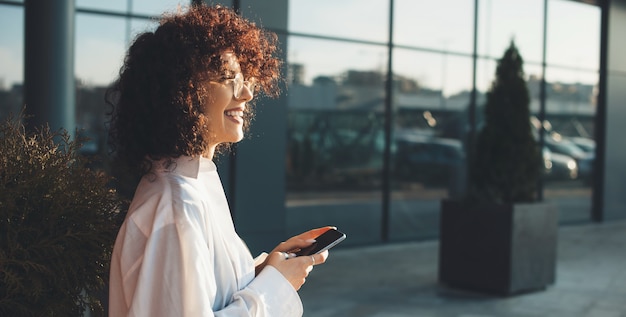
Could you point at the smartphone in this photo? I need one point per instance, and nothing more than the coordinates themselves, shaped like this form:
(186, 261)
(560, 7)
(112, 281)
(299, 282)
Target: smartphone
(324, 242)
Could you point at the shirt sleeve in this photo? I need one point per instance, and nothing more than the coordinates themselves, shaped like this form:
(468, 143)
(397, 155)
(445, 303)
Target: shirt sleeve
(176, 277)
(270, 288)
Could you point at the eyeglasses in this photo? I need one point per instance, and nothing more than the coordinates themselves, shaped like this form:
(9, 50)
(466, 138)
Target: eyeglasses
(239, 83)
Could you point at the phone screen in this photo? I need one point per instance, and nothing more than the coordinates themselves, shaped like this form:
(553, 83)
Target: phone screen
(324, 242)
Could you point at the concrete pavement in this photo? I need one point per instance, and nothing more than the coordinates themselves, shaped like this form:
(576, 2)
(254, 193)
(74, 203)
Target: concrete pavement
(400, 279)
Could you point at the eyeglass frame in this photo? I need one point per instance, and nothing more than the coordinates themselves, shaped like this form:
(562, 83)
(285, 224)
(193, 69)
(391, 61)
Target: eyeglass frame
(239, 83)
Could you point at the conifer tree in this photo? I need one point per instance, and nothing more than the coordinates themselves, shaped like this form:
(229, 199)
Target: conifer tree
(507, 160)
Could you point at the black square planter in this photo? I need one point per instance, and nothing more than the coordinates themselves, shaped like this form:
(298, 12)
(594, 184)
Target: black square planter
(500, 249)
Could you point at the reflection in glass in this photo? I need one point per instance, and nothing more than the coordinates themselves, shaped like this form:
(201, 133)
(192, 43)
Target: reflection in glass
(140, 7)
(11, 59)
(571, 42)
(355, 19)
(533, 82)
(109, 5)
(434, 24)
(573, 50)
(157, 7)
(335, 135)
(336, 123)
(311, 59)
(138, 26)
(99, 48)
(446, 75)
(569, 139)
(500, 21)
(432, 75)
(431, 98)
(100, 45)
(485, 74)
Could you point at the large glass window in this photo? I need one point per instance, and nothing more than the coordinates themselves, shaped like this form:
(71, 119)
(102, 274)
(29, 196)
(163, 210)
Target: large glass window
(100, 48)
(140, 7)
(572, 79)
(501, 21)
(336, 125)
(431, 98)
(335, 136)
(11, 59)
(573, 34)
(433, 25)
(100, 44)
(156, 7)
(355, 19)
(431, 95)
(570, 141)
(110, 5)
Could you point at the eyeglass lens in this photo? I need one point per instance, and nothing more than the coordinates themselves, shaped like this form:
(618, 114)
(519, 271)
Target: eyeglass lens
(238, 84)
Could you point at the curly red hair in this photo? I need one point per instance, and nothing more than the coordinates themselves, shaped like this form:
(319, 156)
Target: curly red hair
(156, 99)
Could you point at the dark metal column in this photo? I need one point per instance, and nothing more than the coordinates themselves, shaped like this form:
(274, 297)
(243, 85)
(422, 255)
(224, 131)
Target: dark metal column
(471, 134)
(597, 198)
(542, 95)
(49, 87)
(386, 186)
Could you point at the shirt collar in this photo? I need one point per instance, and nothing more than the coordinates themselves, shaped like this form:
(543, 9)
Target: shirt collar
(187, 166)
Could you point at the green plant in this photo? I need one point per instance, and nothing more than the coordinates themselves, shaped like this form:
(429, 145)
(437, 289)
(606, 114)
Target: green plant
(58, 221)
(506, 163)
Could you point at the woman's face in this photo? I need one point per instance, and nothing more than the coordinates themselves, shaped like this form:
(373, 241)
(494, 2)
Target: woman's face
(222, 109)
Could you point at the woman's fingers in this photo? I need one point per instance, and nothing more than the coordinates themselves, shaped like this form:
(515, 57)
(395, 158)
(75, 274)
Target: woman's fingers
(313, 233)
(293, 245)
(300, 241)
(306, 239)
(296, 269)
(319, 258)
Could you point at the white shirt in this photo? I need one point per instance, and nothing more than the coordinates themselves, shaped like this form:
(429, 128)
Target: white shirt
(177, 253)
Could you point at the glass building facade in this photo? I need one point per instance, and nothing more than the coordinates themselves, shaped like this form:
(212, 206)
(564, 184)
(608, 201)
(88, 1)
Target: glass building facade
(344, 162)
(380, 96)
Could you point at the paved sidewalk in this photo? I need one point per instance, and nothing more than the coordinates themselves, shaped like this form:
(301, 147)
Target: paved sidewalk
(400, 279)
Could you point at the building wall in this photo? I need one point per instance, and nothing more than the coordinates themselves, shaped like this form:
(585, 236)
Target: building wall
(614, 200)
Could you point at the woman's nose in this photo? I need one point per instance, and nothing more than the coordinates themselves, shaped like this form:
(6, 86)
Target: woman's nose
(247, 93)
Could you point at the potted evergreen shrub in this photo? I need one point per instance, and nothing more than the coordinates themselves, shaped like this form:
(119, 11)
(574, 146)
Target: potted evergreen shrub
(58, 221)
(499, 239)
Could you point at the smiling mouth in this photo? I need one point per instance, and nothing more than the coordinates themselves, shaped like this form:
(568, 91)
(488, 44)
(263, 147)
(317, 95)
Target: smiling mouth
(235, 115)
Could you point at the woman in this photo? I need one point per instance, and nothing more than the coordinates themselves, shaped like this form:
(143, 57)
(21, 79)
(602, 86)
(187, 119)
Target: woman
(183, 93)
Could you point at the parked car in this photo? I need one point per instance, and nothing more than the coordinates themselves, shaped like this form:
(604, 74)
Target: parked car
(564, 146)
(588, 146)
(431, 161)
(559, 166)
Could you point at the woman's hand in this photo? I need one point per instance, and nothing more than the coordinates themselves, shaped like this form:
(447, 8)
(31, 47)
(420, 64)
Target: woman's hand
(295, 269)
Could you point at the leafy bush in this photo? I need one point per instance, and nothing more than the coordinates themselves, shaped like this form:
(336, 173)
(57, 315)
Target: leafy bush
(58, 221)
(506, 164)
